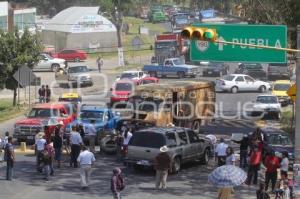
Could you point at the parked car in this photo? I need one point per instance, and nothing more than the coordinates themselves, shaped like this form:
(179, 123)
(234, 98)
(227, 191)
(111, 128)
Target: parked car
(158, 16)
(215, 69)
(149, 80)
(48, 63)
(173, 67)
(134, 75)
(254, 70)
(278, 71)
(121, 91)
(71, 55)
(238, 82)
(279, 141)
(40, 116)
(279, 89)
(70, 97)
(75, 75)
(184, 146)
(105, 120)
(266, 105)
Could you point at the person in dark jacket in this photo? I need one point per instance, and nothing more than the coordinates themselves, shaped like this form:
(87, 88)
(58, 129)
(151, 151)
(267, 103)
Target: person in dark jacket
(42, 94)
(48, 94)
(244, 144)
(162, 167)
(57, 144)
(117, 183)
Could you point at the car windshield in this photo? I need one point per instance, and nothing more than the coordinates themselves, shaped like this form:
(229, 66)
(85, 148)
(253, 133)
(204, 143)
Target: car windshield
(123, 87)
(149, 106)
(278, 139)
(147, 140)
(43, 112)
(48, 56)
(267, 99)
(128, 75)
(92, 115)
(228, 77)
(178, 62)
(78, 69)
(281, 87)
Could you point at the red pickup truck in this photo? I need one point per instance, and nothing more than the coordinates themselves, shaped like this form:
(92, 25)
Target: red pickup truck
(42, 115)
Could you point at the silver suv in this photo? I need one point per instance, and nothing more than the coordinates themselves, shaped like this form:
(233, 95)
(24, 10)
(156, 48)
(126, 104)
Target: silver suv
(184, 146)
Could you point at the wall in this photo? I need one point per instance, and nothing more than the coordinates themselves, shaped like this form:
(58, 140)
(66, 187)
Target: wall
(57, 39)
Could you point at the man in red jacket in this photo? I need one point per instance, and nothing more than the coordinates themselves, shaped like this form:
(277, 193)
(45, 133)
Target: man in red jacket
(272, 163)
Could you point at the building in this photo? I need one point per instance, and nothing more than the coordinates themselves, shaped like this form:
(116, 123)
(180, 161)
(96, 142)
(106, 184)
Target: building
(81, 28)
(23, 17)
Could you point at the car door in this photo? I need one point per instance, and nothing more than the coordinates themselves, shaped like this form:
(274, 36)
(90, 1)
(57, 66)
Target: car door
(197, 147)
(240, 83)
(250, 83)
(43, 63)
(184, 146)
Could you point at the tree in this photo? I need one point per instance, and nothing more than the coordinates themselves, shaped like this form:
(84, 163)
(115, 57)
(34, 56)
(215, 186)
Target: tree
(17, 50)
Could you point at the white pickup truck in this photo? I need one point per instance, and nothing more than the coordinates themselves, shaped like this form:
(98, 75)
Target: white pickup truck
(48, 63)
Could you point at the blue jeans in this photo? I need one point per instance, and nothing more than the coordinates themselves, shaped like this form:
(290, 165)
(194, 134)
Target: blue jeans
(243, 158)
(9, 169)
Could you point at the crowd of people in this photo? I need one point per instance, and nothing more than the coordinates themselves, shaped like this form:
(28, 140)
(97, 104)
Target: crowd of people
(44, 94)
(254, 154)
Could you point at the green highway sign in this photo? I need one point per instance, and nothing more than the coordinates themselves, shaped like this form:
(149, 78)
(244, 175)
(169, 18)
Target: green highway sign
(266, 35)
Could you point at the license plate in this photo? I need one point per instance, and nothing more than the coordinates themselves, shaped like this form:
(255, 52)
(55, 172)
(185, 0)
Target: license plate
(143, 162)
(30, 137)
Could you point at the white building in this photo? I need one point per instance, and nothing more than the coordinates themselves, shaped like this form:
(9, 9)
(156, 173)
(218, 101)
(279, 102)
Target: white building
(81, 28)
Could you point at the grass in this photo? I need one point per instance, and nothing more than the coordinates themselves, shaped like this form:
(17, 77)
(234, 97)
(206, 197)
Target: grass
(8, 111)
(147, 40)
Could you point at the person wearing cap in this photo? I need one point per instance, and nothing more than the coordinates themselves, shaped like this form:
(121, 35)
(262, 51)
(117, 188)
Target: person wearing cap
(244, 144)
(221, 152)
(86, 160)
(162, 166)
(40, 146)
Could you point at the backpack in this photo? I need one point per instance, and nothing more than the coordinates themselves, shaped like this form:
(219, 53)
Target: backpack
(120, 183)
(7, 153)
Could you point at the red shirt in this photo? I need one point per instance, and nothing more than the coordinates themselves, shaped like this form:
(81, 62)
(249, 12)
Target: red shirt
(272, 163)
(255, 157)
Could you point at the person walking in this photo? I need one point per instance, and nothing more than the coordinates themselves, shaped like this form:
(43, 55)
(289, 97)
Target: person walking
(225, 193)
(41, 92)
(272, 163)
(221, 152)
(117, 183)
(47, 94)
(48, 157)
(9, 157)
(99, 62)
(91, 133)
(76, 142)
(86, 160)
(162, 164)
(254, 165)
(230, 159)
(284, 165)
(244, 144)
(81, 131)
(126, 138)
(40, 146)
(119, 144)
(57, 144)
(261, 192)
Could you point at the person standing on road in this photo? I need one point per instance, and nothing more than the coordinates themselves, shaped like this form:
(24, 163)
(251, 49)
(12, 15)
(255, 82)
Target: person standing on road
(272, 163)
(221, 152)
(230, 159)
(85, 160)
(48, 94)
(254, 165)
(99, 63)
(9, 157)
(119, 144)
(261, 192)
(284, 165)
(42, 94)
(162, 166)
(40, 146)
(48, 157)
(57, 144)
(91, 132)
(126, 138)
(76, 142)
(244, 144)
(225, 193)
(81, 131)
(3, 143)
(117, 183)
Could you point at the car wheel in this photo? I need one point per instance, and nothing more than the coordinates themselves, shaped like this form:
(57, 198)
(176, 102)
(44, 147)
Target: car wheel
(176, 164)
(196, 126)
(234, 89)
(205, 158)
(152, 74)
(180, 75)
(262, 89)
(55, 67)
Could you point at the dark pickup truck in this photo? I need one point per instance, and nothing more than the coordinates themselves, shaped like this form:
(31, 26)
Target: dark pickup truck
(254, 70)
(278, 71)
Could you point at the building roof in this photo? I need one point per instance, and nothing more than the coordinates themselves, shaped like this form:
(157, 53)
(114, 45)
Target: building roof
(80, 20)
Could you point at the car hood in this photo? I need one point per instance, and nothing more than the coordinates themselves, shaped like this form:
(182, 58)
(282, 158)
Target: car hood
(32, 121)
(279, 148)
(264, 106)
(58, 60)
(79, 74)
(98, 123)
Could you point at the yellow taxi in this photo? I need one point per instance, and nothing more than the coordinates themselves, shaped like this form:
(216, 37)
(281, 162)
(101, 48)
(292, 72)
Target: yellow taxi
(70, 97)
(279, 89)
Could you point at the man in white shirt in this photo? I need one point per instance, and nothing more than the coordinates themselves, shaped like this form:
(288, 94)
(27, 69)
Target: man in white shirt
(40, 143)
(76, 142)
(86, 160)
(91, 133)
(221, 152)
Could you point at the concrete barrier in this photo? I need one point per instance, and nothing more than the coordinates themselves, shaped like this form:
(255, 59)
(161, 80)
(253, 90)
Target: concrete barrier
(23, 146)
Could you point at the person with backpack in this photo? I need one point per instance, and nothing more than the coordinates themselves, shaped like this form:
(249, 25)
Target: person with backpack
(9, 157)
(117, 183)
